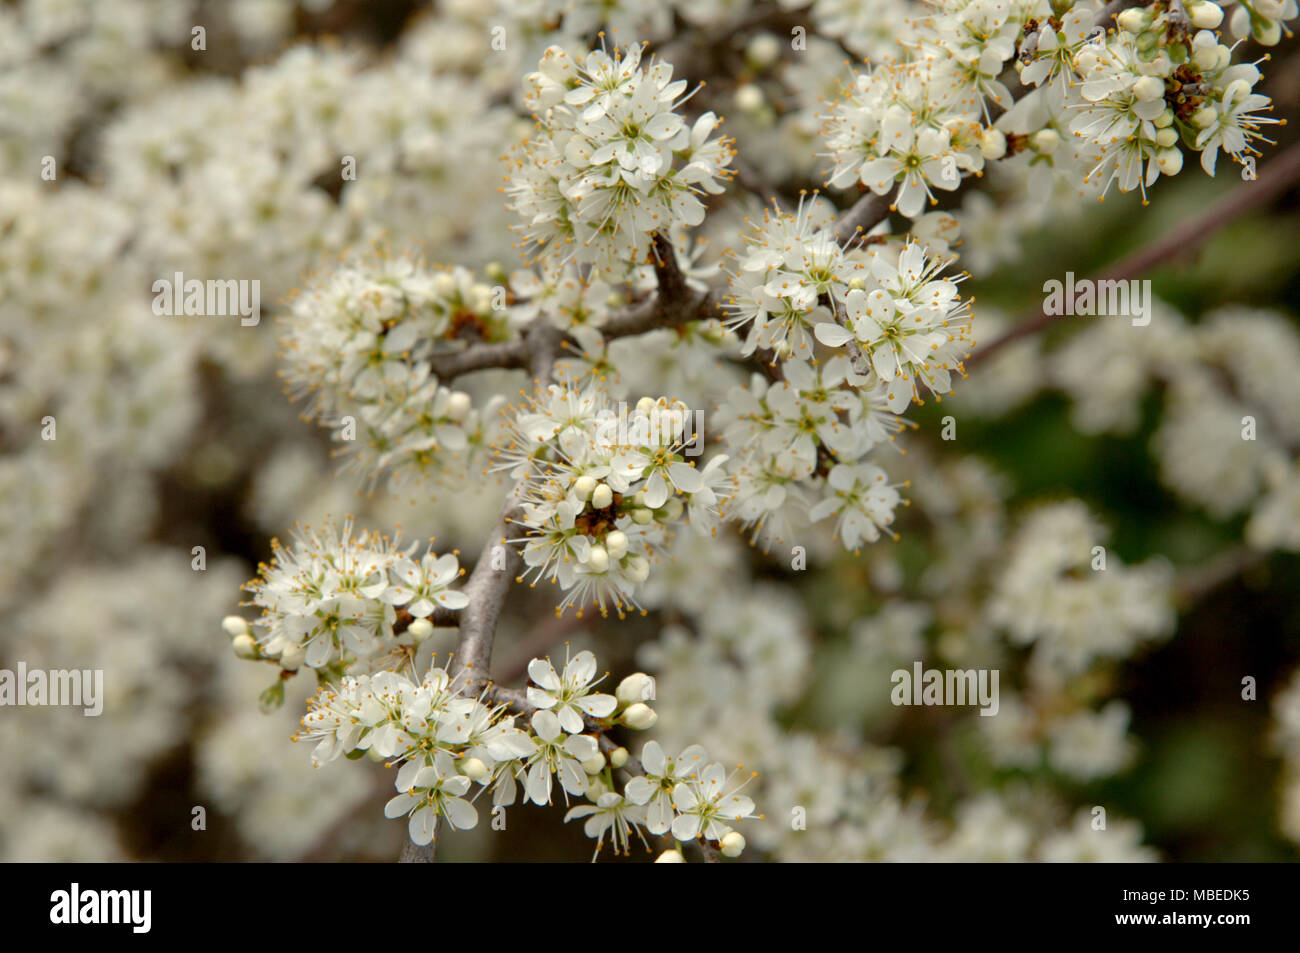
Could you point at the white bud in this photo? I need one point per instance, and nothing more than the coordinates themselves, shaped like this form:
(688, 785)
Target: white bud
(645, 405)
(670, 857)
(420, 629)
(993, 144)
(1166, 137)
(1149, 88)
(1204, 15)
(1046, 141)
(1165, 119)
(749, 98)
(474, 769)
(618, 757)
(443, 284)
(1205, 117)
(598, 559)
(595, 764)
(1206, 58)
(235, 625)
(638, 569)
(1170, 161)
(292, 657)
(616, 544)
(373, 754)
(1133, 20)
(639, 687)
(763, 50)
(583, 487)
(672, 510)
(601, 496)
(642, 517)
(244, 646)
(857, 284)
(732, 845)
(1205, 40)
(458, 405)
(640, 717)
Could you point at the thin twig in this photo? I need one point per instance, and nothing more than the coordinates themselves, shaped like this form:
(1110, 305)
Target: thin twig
(1276, 177)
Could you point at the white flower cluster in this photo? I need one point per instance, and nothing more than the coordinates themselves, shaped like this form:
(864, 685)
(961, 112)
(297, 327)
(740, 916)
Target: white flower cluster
(923, 124)
(447, 742)
(1227, 434)
(359, 343)
(1130, 97)
(614, 160)
(1074, 602)
(799, 446)
(602, 487)
(1286, 741)
(332, 600)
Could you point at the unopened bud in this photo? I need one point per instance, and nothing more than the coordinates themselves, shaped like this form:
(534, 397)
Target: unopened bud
(1133, 20)
(732, 845)
(616, 544)
(670, 857)
(474, 769)
(602, 496)
(234, 625)
(638, 569)
(749, 98)
(420, 629)
(1206, 57)
(618, 757)
(595, 764)
(993, 144)
(458, 405)
(1149, 88)
(583, 487)
(1205, 117)
(672, 510)
(642, 517)
(763, 50)
(1166, 137)
(639, 687)
(640, 717)
(1204, 15)
(1046, 141)
(598, 559)
(1170, 161)
(244, 646)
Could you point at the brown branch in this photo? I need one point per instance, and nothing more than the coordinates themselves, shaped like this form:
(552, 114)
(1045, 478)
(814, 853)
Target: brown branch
(1274, 180)
(480, 357)
(865, 214)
